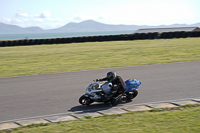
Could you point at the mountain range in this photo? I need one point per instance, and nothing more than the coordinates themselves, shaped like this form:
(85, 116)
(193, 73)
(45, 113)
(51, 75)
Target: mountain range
(85, 26)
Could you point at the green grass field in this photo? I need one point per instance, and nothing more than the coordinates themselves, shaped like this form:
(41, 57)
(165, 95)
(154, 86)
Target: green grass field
(184, 119)
(41, 59)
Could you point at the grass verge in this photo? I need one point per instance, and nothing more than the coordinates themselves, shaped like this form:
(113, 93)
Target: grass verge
(41, 59)
(169, 120)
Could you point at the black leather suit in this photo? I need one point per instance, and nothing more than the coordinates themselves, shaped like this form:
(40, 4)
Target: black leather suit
(119, 85)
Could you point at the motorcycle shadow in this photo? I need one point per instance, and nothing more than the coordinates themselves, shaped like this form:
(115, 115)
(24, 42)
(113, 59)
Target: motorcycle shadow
(95, 107)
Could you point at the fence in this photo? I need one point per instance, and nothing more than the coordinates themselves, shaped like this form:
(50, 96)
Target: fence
(136, 36)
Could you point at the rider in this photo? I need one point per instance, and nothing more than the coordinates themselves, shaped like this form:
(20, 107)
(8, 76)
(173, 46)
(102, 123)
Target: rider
(118, 85)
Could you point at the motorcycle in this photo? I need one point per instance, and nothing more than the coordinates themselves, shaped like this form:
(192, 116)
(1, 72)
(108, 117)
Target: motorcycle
(97, 92)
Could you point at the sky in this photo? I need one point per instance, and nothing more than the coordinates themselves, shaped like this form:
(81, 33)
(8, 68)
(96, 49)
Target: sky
(50, 14)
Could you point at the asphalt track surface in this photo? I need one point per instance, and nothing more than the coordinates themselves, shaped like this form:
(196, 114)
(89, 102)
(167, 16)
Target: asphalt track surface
(46, 94)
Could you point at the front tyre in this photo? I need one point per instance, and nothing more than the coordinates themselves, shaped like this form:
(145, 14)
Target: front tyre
(113, 102)
(85, 100)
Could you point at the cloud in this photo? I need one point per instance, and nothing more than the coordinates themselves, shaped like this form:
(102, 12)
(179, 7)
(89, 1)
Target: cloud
(43, 20)
(20, 14)
(82, 17)
(5, 20)
(43, 15)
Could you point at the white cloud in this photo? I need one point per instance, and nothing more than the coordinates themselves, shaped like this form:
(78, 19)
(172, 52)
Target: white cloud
(43, 15)
(20, 14)
(6, 20)
(82, 17)
(43, 20)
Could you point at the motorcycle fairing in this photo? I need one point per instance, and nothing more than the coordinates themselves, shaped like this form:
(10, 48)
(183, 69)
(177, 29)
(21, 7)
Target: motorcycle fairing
(132, 84)
(106, 88)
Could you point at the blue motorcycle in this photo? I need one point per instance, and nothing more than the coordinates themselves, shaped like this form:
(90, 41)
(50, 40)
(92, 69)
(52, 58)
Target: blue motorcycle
(97, 92)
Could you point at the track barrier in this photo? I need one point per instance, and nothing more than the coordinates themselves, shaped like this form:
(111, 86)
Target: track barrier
(136, 36)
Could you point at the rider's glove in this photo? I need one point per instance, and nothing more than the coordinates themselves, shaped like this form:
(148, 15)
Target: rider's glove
(99, 80)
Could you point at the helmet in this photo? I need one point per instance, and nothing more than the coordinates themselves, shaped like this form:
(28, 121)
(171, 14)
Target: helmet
(111, 75)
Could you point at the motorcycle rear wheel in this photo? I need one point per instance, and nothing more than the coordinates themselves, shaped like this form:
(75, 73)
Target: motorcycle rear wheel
(85, 100)
(132, 96)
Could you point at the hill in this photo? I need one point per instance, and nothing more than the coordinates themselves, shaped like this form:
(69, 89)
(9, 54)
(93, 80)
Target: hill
(13, 29)
(93, 26)
(85, 26)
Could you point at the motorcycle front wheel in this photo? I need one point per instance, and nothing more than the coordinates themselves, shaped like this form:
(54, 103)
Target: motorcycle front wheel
(85, 100)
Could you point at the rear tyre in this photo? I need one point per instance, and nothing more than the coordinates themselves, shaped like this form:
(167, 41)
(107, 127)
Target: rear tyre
(85, 100)
(132, 96)
(135, 93)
